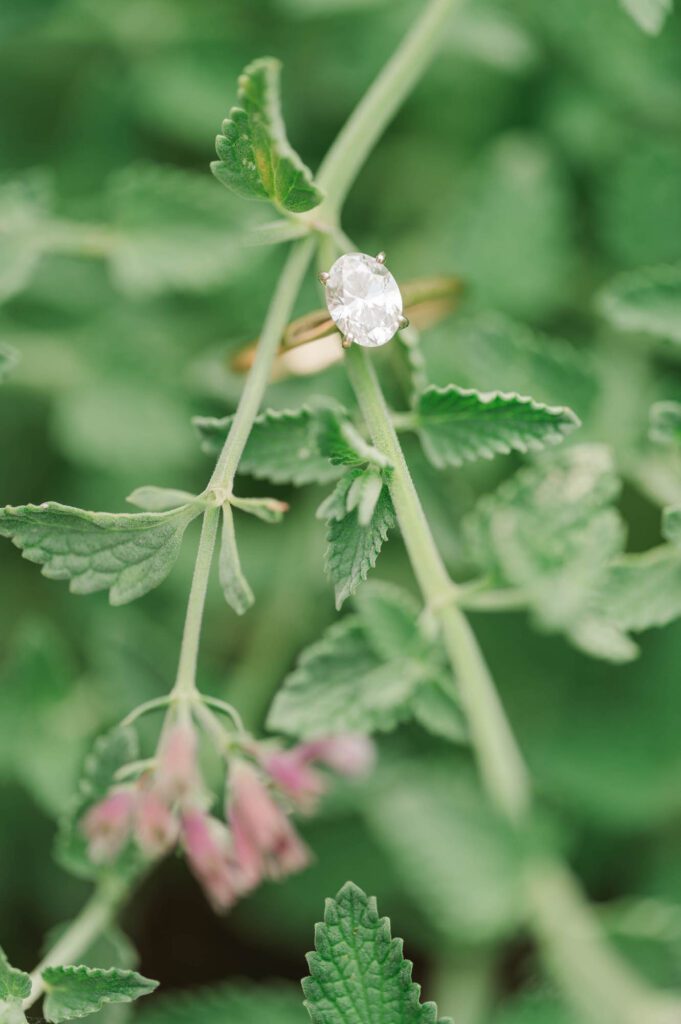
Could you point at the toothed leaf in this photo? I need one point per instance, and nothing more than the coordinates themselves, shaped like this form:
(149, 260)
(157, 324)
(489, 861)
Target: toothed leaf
(73, 992)
(127, 554)
(645, 300)
(358, 974)
(256, 159)
(460, 425)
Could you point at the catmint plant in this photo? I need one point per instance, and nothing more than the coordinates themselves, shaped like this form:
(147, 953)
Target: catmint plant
(549, 540)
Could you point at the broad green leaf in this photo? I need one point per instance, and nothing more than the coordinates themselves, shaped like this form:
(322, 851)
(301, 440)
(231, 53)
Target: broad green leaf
(358, 974)
(458, 425)
(514, 228)
(665, 423)
(650, 15)
(359, 515)
(160, 499)
(643, 590)
(436, 708)
(342, 445)
(110, 752)
(551, 532)
(645, 300)
(236, 589)
(172, 231)
(364, 674)
(229, 1004)
(283, 446)
(486, 349)
(255, 157)
(24, 212)
(8, 360)
(458, 861)
(14, 984)
(73, 992)
(341, 685)
(127, 554)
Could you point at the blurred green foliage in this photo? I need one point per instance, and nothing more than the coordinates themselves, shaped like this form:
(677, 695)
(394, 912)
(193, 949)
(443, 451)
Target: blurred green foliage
(539, 158)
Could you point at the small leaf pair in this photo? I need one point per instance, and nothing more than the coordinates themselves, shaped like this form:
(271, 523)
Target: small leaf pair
(70, 992)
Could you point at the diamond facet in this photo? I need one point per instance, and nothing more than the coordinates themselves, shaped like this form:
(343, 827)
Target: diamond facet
(363, 299)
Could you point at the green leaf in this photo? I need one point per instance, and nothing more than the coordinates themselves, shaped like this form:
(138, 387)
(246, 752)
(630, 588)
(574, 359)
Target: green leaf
(236, 589)
(359, 515)
(643, 590)
(459, 862)
(172, 231)
(127, 554)
(650, 15)
(229, 1004)
(255, 157)
(365, 672)
(24, 211)
(79, 991)
(645, 300)
(110, 752)
(486, 348)
(459, 424)
(8, 360)
(342, 445)
(341, 685)
(436, 708)
(550, 530)
(160, 499)
(665, 423)
(671, 525)
(270, 510)
(358, 974)
(283, 446)
(14, 984)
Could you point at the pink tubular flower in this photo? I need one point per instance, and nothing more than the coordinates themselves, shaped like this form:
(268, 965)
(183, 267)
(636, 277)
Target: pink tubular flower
(177, 774)
(349, 754)
(156, 828)
(108, 824)
(293, 774)
(206, 841)
(265, 842)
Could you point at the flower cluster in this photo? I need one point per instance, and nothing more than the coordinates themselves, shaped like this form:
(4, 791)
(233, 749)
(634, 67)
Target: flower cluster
(170, 805)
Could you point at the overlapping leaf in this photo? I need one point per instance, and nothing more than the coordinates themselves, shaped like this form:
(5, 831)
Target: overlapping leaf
(366, 672)
(460, 425)
(126, 554)
(283, 446)
(645, 300)
(358, 974)
(236, 1003)
(73, 992)
(255, 157)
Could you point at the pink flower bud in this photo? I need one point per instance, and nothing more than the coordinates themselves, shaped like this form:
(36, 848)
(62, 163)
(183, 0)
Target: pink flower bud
(208, 847)
(349, 754)
(107, 825)
(177, 774)
(293, 774)
(156, 828)
(265, 842)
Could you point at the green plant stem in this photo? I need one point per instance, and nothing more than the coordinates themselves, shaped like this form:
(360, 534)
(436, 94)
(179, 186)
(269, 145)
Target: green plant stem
(277, 317)
(378, 106)
(500, 761)
(185, 684)
(591, 974)
(97, 914)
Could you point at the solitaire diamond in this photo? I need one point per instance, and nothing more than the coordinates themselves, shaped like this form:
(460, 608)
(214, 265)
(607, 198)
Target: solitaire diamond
(363, 299)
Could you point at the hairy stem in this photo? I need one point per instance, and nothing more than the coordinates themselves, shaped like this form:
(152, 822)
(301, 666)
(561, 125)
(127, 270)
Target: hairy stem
(185, 684)
(379, 105)
(591, 974)
(94, 918)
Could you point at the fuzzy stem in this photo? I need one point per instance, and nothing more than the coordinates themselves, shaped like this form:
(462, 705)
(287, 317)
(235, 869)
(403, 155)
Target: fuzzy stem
(185, 683)
(94, 918)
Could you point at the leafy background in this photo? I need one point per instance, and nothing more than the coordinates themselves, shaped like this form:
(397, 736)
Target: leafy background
(539, 157)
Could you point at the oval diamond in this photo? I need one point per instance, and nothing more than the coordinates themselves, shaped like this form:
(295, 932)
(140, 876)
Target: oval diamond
(363, 299)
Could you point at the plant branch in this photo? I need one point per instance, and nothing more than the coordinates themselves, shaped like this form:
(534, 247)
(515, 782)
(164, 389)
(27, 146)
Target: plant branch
(94, 918)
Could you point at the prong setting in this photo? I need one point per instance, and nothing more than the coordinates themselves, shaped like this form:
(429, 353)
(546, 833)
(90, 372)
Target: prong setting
(404, 322)
(380, 258)
(346, 342)
(324, 277)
